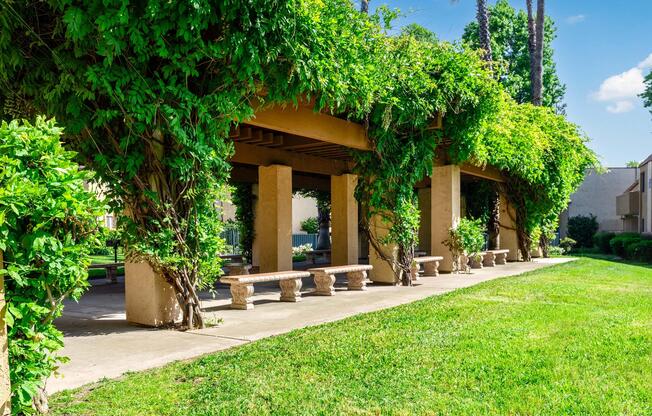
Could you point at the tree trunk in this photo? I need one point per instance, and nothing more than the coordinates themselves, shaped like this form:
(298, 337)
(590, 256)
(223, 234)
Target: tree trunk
(323, 238)
(364, 6)
(493, 225)
(483, 27)
(535, 47)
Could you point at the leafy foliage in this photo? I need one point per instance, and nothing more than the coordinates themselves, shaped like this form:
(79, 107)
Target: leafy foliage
(243, 199)
(582, 228)
(465, 239)
(48, 227)
(310, 225)
(509, 44)
(647, 94)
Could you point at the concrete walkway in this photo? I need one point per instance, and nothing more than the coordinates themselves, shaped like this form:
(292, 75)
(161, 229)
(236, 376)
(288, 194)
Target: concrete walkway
(100, 343)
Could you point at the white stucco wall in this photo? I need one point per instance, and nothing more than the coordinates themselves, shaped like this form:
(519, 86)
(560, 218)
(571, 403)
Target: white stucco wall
(597, 196)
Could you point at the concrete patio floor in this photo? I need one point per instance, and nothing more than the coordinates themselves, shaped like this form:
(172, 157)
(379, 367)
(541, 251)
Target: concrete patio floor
(101, 344)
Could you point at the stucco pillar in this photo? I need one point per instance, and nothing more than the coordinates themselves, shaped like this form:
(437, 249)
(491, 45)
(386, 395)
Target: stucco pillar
(5, 390)
(149, 298)
(445, 206)
(382, 271)
(275, 218)
(508, 236)
(425, 219)
(344, 220)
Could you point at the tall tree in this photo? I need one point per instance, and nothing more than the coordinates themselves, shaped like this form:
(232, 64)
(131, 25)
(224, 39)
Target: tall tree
(483, 30)
(511, 57)
(647, 94)
(535, 46)
(364, 6)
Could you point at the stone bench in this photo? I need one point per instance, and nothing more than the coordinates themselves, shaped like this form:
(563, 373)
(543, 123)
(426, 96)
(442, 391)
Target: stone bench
(111, 270)
(238, 269)
(356, 276)
(493, 257)
(242, 287)
(430, 266)
(312, 255)
(477, 261)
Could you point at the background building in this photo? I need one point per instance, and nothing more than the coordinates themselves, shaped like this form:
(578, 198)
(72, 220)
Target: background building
(597, 196)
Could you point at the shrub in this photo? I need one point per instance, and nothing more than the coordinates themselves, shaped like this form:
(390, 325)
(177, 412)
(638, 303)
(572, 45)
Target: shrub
(48, 227)
(555, 251)
(641, 250)
(465, 239)
(567, 244)
(619, 242)
(310, 225)
(582, 228)
(601, 241)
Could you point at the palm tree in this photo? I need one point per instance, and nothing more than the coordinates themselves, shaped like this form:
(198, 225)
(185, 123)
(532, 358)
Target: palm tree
(364, 6)
(535, 46)
(483, 28)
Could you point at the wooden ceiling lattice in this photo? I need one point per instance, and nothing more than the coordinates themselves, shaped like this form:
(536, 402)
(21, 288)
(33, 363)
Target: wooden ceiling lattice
(257, 136)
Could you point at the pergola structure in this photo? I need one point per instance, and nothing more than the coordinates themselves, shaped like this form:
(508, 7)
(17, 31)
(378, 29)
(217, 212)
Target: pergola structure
(285, 148)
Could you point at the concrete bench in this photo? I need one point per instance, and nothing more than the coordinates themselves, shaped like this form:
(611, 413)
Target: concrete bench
(111, 270)
(356, 276)
(232, 258)
(242, 287)
(493, 257)
(238, 269)
(430, 266)
(476, 261)
(312, 255)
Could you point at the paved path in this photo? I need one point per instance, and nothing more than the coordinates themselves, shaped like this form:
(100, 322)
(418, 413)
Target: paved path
(101, 344)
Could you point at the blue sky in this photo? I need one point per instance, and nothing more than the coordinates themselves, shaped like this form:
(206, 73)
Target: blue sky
(602, 50)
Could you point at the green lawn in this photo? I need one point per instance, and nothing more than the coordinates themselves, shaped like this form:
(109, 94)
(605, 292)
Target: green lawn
(105, 259)
(572, 339)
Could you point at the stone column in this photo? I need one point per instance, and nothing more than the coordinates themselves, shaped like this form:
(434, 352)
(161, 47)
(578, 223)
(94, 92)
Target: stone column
(445, 206)
(344, 220)
(275, 218)
(382, 271)
(425, 219)
(149, 298)
(508, 236)
(5, 389)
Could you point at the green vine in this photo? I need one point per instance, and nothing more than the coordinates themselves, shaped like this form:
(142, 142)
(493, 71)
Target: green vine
(244, 199)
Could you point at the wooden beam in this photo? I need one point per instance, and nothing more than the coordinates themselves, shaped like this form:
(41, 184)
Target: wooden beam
(488, 172)
(304, 122)
(263, 156)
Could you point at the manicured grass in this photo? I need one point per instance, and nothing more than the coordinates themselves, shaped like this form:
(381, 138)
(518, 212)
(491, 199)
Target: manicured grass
(105, 259)
(571, 339)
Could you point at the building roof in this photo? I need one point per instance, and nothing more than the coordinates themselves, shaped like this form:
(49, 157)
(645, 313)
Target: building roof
(632, 188)
(648, 159)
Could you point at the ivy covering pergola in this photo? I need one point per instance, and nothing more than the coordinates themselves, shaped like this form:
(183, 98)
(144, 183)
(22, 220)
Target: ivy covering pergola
(148, 95)
(148, 92)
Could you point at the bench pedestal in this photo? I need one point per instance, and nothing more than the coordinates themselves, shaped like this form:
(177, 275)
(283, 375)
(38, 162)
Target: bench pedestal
(291, 290)
(241, 296)
(431, 268)
(357, 280)
(501, 258)
(489, 259)
(476, 262)
(325, 284)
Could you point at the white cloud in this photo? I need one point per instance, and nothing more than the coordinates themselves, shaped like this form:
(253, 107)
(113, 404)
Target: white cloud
(621, 89)
(620, 107)
(579, 18)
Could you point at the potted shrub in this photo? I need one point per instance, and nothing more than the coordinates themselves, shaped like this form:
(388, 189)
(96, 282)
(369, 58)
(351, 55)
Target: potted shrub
(465, 241)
